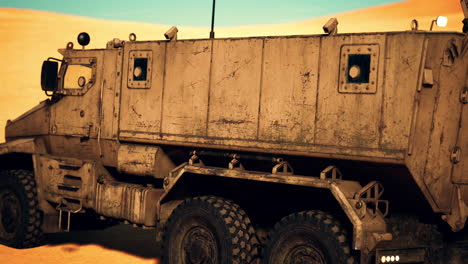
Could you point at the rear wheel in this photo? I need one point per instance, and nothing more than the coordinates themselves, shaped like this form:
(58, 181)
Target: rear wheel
(20, 219)
(309, 237)
(208, 230)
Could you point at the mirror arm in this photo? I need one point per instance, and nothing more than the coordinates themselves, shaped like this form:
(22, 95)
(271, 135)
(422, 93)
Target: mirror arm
(55, 59)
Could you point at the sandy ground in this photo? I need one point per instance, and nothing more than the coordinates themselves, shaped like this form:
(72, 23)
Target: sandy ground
(29, 37)
(121, 244)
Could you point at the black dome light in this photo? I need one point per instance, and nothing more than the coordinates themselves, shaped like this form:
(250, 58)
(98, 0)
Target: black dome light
(83, 39)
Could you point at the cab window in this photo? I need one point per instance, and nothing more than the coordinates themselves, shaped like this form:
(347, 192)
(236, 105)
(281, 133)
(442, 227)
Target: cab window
(77, 76)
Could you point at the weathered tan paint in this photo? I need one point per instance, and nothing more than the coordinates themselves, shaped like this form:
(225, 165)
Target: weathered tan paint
(143, 160)
(186, 87)
(347, 120)
(24, 145)
(331, 123)
(288, 114)
(141, 108)
(399, 80)
(88, 185)
(235, 89)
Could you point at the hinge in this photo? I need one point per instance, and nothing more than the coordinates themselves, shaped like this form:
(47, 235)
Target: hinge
(455, 155)
(464, 95)
(428, 79)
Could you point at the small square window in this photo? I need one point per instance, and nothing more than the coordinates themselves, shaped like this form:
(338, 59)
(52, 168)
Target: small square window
(358, 68)
(139, 69)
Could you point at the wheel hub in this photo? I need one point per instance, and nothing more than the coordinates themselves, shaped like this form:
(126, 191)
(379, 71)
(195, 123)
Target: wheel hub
(305, 254)
(10, 211)
(200, 246)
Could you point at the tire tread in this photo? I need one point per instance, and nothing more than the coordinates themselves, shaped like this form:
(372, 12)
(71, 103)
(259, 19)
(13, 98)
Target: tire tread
(326, 223)
(243, 239)
(33, 235)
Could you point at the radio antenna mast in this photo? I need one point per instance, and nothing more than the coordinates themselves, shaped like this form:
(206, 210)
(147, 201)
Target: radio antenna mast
(212, 34)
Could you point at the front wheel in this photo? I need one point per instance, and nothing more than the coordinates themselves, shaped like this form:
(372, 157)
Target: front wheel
(309, 237)
(20, 218)
(208, 230)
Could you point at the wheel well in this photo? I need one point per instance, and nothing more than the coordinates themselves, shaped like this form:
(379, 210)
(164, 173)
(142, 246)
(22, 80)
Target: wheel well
(265, 203)
(401, 189)
(15, 161)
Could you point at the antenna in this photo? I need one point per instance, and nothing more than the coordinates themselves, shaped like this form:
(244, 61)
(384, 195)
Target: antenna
(212, 34)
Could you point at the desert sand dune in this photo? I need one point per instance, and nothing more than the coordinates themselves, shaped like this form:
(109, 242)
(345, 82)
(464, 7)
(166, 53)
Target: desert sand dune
(29, 37)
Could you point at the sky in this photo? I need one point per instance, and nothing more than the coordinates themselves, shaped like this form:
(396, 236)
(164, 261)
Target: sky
(198, 12)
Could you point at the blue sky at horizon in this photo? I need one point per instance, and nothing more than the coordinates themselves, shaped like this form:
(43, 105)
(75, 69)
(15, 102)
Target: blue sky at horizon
(196, 12)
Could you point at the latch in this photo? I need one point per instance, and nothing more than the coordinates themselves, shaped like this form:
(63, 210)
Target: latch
(464, 95)
(455, 155)
(428, 79)
(334, 171)
(283, 167)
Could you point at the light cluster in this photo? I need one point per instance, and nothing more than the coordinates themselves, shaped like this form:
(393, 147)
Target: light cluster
(388, 259)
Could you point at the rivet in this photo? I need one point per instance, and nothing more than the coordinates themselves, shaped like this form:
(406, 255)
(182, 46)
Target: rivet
(358, 205)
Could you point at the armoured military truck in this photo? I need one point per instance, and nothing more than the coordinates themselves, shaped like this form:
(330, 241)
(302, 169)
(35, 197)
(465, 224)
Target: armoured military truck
(251, 150)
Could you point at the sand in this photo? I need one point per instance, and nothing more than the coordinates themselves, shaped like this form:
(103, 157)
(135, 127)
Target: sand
(120, 244)
(29, 37)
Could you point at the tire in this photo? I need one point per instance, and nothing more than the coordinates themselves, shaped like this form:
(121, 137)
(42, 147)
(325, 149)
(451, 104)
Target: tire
(208, 230)
(308, 237)
(20, 218)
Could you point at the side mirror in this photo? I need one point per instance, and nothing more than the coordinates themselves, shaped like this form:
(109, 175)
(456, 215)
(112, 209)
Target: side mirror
(49, 76)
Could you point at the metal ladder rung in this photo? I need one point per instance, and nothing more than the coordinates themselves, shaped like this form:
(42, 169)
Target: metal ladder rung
(69, 211)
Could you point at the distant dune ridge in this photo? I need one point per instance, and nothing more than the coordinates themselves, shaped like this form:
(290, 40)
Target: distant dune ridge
(28, 37)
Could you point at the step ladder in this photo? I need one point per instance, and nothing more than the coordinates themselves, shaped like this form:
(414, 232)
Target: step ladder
(70, 208)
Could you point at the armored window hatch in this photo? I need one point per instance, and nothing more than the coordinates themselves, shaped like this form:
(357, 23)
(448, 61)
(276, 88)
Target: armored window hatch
(139, 69)
(358, 69)
(79, 75)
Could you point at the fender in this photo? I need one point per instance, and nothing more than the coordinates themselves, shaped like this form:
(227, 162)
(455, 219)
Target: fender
(34, 147)
(360, 204)
(23, 145)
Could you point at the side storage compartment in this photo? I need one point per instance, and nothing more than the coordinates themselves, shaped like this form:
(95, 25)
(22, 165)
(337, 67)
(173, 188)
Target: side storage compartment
(73, 185)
